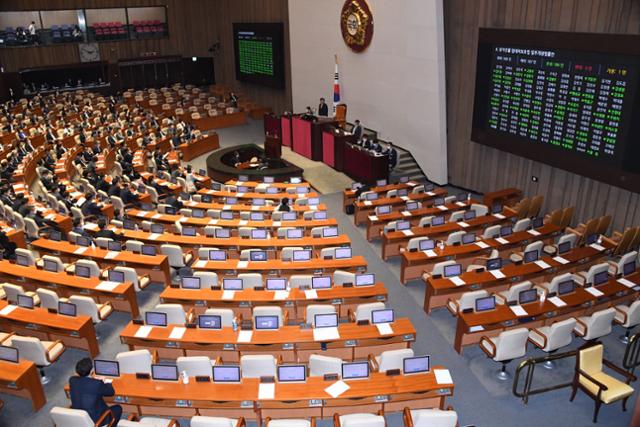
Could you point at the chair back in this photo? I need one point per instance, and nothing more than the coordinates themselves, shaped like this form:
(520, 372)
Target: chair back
(491, 232)
(287, 252)
(313, 309)
(393, 359)
(300, 280)
(86, 306)
(259, 365)
(600, 324)
(567, 216)
(534, 207)
(414, 242)
(130, 275)
(208, 279)
(320, 365)
(560, 334)
(456, 216)
(555, 217)
(67, 417)
(438, 268)
(434, 418)
(468, 299)
(521, 225)
(174, 253)
(268, 310)
(340, 277)
(480, 210)
(205, 421)
(195, 366)
(251, 280)
(226, 314)
(135, 361)
(603, 224)
(590, 359)
(455, 237)
(511, 344)
(633, 315)
(513, 292)
(12, 291)
(363, 311)
(48, 298)
(175, 313)
(30, 348)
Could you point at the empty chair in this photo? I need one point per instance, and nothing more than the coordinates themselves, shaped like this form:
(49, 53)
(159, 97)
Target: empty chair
(245, 232)
(363, 311)
(570, 237)
(320, 365)
(42, 353)
(586, 278)
(176, 258)
(175, 313)
(87, 306)
(12, 291)
(226, 315)
(551, 338)
(67, 417)
(414, 243)
(617, 267)
(134, 421)
(627, 316)
(595, 326)
(94, 268)
(340, 277)
(195, 366)
(522, 225)
(510, 344)
(103, 242)
(210, 230)
(203, 421)
(450, 199)
(392, 359)
(289, 422)
(286, 254)
(438, 269)
(267, 310)
(136, 361)
(245, 254)
(425, 220)
(31, 228)
(534, 207)
(208, 279)
(49, 298)
(256, 366)
(466, 301)
(533, 246)
(301, 281)
(27, 254)
(358, 420)
(130, 275)
(491, 232)
(313, 309)
(455, 237)
(390, 227)
(251, 280)
(511, 294)
(317, 231)
(430, 418)
(480, 210)
(418, 189)
(456, 216)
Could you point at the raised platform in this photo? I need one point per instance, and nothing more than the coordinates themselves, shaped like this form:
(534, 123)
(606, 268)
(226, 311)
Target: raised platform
(220, 165)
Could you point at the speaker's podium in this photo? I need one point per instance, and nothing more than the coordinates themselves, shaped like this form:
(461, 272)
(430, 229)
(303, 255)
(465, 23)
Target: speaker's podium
(333, 146)
(307, 135)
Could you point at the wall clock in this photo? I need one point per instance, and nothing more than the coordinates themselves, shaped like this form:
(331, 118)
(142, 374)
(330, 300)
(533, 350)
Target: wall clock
(89, 52)
(356, 24)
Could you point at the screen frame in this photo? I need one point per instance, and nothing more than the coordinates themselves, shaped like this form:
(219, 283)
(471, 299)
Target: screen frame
(276, 31)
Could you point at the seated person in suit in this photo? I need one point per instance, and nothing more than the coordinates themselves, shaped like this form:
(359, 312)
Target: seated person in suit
(284, 205)
(323, 108)
(88, 393)
(7, 246)
(104, 232)
(365, 143)
(129, 196)
(376, 147)
(357, 129)
(90, 207)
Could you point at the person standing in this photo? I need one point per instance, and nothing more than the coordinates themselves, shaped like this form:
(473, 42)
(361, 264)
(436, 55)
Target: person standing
(357, 130)
(88, 393)
(323, 108)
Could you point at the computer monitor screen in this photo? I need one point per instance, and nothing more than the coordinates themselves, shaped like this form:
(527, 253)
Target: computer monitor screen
(232, 284)
(294, 233)
(429, 187)
(292, 373)
(272, 190)
(112, 245)
(329, 231)
(403, 192)
(368, 279)
(259, 233)
(189, 231)
(525, 297)
(325, 320)
(600, 278)
(164, 372)
(209, 321)
(313, 201)
(55, 235)
(217, 255)
(198, 213)
(321, 282)
(106, 368)
(506, 230)
(295, 180)
(384, 210)
(382, 316)
(415, 365)
(411, 206)
(276, 284)
(496, 208)
(438, 201)
(83, 241)
(302, 190)
(207, 198)
(381, 182)
(223, 233)
(342, 253)
(83, 271)
(628, 268)
(258, 202)
(304, 255)
(155, 318)
(371, 196)
(564, 247)
(403, 225)
(50, 265)
(319, 215)
(256, 216)
(226, 373)
(486, 303)
(268, 180)
(452, 270)
(9, 354)
(258, 256)
(242, 189)
(67, 308)
(566, 287)
(183, 195)
(426, 245)
(531, 256)
(468, 238)
(230, 200)
(537, 222)
(149, 250)
(403, 179)
(592, 238)
(355, 370)
(461, 197)
(128, 224)
(494, 264)
(190, 282)
(116, 276)
(22, 260)
(289, 216)
(437, 220)
(202, 172)
(266, 322)
(243, 178)
(170, 210)
(470, 214)
(226, 215)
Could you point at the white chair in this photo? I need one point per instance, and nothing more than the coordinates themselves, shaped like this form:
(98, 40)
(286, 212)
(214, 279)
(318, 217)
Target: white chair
(288, 423)
(267, 310)
(491, 232)
(202, 421)
(456, 216)
(617, 267)
(466, 301)
(195, 366)
(136, 361)
(313, 309)
(569, 237)
(425, 220)
(359, 420)
(208, 279)
(510, 344)
(259, 365)
(12, 291)
(87, 306)
(31, 260)
(414, 243)
(245, 232)
(320, 365)
(133, 421)
(300, 281)
(31, 228)
(552, 286)
(175, 313)
(176, 258)
(67, 417)
(595, 326)
(512, 294)
(522, 225)
(450, 199)
(363, 311)
(551, 338)
(340, 277)
(94, 268)
(393, 359)
(103, 242)
(438, 269)
(481, 210)
(455, 238)
(49, 298)
(588, 277)
(226, 315)
(627, 316)
(42, 353)
(251, 280)
(533, 246)
(133, 245)
(430, 418)
(390, 227)
(130, 275)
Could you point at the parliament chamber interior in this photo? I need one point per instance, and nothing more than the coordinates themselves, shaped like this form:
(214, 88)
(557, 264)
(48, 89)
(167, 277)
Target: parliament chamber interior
(300, 213)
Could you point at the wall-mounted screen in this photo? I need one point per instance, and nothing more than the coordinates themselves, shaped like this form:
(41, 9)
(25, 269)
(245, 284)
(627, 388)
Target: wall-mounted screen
(259, 53)
(566, 99)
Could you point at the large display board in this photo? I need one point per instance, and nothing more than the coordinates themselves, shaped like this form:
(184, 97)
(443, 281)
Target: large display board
(259, 53)
(566, 99)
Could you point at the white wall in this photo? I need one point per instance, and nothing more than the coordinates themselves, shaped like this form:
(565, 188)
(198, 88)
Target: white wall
(396, 86)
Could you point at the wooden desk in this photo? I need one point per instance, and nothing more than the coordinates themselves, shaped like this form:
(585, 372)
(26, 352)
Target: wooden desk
(364, 166)
(349, 195)
(276, 197)
(282, 186)
(506, 196)
(285, 268)
(193, 149)
(414, 263)
(439, 291)
(218, 122)
(157, 267)
(579, 303)
(295, 304)
(367, 207)
(77, 332)
(14, 235)
(22, 379)
(237, 208)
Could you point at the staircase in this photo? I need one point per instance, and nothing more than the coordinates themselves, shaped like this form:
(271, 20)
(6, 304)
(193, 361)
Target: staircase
(407, 166)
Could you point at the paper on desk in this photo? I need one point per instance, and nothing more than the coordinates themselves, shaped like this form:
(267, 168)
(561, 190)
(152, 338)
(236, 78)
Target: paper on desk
(50, 217)
(502, 241)
(405, 213)
(226, 207)
(561, 260)
(443, 376)
(384, 328)
(337, 388)
(557, 301)
(228, 295)
(482, 245)
(627, 283)
(200, 264)
(430, 253)
(460, 204)
(280, 295)
(533, 232)
(156, 216)
(499, 216)
(266, 391)
(213, 221)
(412, 184)
(597, 247)
(463, 224)
(177, 332)
(245, 336)
(476, 328)
(141, 214)
(595, 292)
(239, 194)
(408, 232)
(154, 236)
(183, 219)
(325, 334)
(310, 294)
(405, 198)
(111, 254)
(367, 203)
(255, 208)
(430, 193)
(277, 223)
(497, 274)
(518, 310)
(106, 285)
(442, 208)
(243, 222)
(457, 280)
(7, 310)
(373, 218)
(543, 265)
(143, 331)
(80, 250)
(242, 264)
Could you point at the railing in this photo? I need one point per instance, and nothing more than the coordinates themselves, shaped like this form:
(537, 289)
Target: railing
(631, 358)
(529, 366)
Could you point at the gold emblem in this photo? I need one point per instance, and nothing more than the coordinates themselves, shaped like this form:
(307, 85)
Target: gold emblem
(356, 23)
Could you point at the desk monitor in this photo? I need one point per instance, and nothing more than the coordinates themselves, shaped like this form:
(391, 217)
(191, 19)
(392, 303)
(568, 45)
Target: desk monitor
(371, 196)
(537, 222)
(67, 309)
(83, 271)
(258, 256)
(527, 296)
(416, 365)
(411, 206)
(25, 301)
(114, 246)
(106, 368)
(198, 213)
(367, 279)
(355, 370)
(155, 318)
(452, 270)
(330, 232)
(470, 214)
(242, 189)
(259, 234)
(268, 179)
(209, 321)
(272, 190)
(294, 233)
(343, 253)
(266, 322)
(296, 180)
(289, 216)
(531, 256)
(128, 224)
(321, 282)
(230, 200)
(325, 320)
(564, 247)
(232, 284)
(429, 187)
(437, 220)
(215, 186)
(115, 276)
(22, 260)
(468, 238)
(183, 195)
(217, 255)
(50, 265)
(426, 244)
(384, 209)
(496, 208)
(566, 287)
(276, 284)
(402, 192)
(438, 201)
(189, 231)
(494, 264)
(319, 215)
(243, 178)
(601, 278)
(164, 372)
(83, 241)
(629, 268)
(303, 255)
(170, 210)
(292, 373)
(256, 216)
(461, 197)
(9, 354)
(485, 304)
(592, 238)
(382, 316)
(313, 201)
(190, 282)
(403, 179)
(55, 235)
(506, 231)
(258, 202)
(207, 198)
(403, 225)
(202, 172)
(149, 250)
(223, 233)
(302, 190)
(226, 374)
(381, 182)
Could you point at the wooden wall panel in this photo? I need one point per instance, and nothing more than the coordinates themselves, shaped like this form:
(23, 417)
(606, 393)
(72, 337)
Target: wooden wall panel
(484, 168)
(194, 26)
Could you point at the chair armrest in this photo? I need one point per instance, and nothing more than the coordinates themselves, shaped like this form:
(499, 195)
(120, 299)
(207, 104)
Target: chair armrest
(336, 420)
(456, 304)
(154, 356)
(600, 385)
(406, 417)
(500, 299)
(629, 376)
(373, 363)
(581, 275)
(544, 337)
(241, 422)
(100, 421)
(573, 231)
(624, 316)
(313, 422)
(190, 315)
(613, 265)
(285, 315)
(7, 337)
(173, 423)
(584, 325)
(351, 315)
(493, 346)
(53, 344)
(609, 240)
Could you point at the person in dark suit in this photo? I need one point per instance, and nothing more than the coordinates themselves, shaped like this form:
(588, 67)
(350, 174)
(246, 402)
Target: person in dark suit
(284, 205)
(393, 155)
(104, 232)
(128, 196)
(90, 207)
(376, 147)
(88, 393)
(323, 108)
(357, 129)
